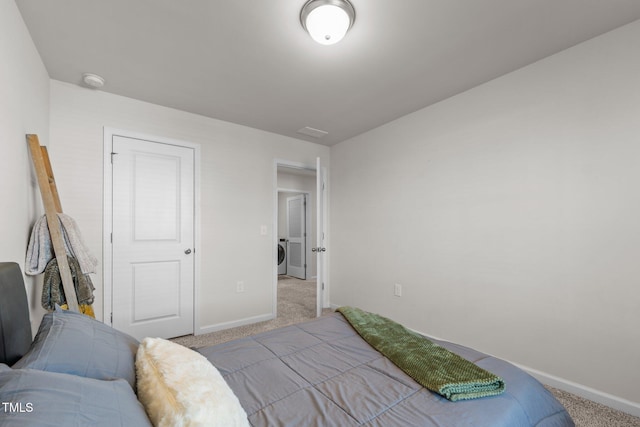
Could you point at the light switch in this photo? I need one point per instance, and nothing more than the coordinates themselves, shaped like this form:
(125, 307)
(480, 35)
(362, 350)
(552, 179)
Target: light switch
(263, 230)
(397, 289)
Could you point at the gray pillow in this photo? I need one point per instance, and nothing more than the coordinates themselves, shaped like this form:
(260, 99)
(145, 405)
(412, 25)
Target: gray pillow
(72, 343)
(43, 399)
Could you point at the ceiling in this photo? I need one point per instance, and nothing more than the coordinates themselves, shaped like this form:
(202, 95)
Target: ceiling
(250, 62)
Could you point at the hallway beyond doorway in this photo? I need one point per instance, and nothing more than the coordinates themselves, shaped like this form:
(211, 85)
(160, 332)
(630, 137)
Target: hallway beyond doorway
(296, 298)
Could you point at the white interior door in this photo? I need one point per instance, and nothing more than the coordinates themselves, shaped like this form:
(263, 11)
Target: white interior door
(320, 248)
(296, 236)
(153, 238)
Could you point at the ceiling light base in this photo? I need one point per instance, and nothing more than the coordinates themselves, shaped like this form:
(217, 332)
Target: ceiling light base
(327, 21)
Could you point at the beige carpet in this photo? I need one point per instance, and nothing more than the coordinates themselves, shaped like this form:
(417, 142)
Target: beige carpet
(297, 302)
(586, 413)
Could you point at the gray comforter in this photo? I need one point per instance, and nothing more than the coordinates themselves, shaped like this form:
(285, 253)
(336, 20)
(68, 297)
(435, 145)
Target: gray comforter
(321, 373)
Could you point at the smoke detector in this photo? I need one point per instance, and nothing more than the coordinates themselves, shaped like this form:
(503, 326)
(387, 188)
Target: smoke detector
(93, 80)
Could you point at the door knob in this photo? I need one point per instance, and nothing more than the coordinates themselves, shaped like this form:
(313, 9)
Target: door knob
(188, 251)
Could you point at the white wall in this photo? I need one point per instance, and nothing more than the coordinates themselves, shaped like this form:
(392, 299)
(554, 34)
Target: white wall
(24, 108)
(510, 214)
(237, 185)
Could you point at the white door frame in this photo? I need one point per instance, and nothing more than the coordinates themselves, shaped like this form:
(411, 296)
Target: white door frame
(302, 166)
(322, 190)
(107, 217)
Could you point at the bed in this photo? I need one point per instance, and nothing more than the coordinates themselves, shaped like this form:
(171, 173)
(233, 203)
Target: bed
(79, 372)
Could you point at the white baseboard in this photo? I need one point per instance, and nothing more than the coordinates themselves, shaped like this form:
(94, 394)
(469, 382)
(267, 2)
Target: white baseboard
(586, 392)
(227, 325)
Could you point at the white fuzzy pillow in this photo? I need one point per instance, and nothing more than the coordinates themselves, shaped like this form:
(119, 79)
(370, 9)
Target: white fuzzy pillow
(179, 387)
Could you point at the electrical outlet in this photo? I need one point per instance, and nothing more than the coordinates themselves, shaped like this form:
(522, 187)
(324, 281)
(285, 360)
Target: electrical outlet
(240, 287)
(397, 290)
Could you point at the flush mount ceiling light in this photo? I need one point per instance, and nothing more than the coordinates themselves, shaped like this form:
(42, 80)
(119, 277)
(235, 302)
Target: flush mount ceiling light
(93, 80)
(327, 21)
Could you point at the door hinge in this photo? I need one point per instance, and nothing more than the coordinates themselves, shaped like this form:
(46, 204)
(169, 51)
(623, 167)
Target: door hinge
(112, 154)
(111, 237)
(111, 319)
(323, 286)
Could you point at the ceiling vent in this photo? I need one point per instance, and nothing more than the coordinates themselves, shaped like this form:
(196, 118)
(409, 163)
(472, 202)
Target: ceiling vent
(314, 133)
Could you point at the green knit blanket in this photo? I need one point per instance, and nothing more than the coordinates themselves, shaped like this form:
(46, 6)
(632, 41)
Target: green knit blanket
(431, 365)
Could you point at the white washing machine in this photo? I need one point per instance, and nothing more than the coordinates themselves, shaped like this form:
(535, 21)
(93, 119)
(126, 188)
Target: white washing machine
(282, 256)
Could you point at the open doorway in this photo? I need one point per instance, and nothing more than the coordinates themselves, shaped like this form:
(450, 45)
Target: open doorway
(296, 225)
(294, 235)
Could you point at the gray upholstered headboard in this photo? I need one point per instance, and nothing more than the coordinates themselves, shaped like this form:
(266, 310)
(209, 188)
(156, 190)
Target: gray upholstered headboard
(15, 327)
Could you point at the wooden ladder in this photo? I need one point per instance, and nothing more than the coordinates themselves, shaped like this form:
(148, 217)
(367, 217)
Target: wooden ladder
(52, 206)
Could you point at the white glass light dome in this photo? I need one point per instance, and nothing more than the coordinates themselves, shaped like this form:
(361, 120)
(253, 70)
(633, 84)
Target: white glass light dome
(327, 21)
